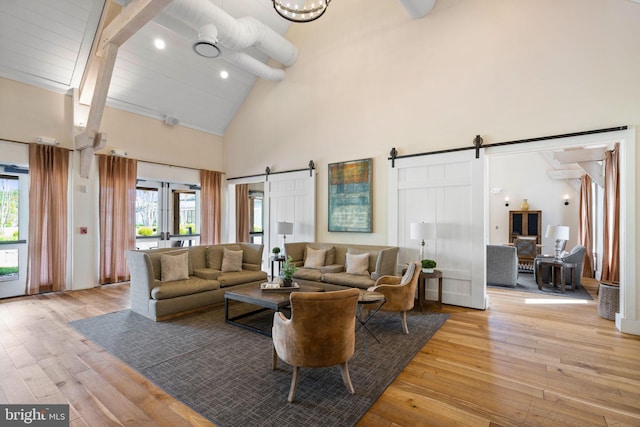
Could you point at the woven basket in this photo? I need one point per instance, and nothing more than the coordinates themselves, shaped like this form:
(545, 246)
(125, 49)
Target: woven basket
(608, 301)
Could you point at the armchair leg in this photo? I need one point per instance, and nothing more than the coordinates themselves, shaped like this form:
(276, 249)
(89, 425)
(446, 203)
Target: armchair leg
(344, 370)
(294, 384)
(404, 322)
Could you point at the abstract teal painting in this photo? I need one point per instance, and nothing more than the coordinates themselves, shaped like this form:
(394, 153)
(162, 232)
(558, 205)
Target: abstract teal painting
(350, 205)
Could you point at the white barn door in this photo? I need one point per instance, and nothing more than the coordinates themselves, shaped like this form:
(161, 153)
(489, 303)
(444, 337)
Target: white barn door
(291, 197)
(448, 190)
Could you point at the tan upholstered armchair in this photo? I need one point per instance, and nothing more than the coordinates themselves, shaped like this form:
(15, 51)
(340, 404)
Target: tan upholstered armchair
(400, 292)
(320, 333)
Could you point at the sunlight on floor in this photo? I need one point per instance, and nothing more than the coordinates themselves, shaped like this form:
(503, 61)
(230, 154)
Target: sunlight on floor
(555, 301)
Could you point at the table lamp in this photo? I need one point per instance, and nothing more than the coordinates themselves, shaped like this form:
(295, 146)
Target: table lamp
(559, 233)
(422, 231)
(284, 228)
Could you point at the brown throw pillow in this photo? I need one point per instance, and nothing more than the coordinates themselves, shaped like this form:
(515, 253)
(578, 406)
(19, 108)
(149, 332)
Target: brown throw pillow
(174, 267)
(231, 261)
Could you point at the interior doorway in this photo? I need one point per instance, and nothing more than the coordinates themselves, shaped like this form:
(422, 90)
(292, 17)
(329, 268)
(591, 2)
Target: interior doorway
(626, 320)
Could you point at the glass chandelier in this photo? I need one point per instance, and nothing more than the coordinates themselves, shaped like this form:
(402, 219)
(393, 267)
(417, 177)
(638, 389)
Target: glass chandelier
(301, 10)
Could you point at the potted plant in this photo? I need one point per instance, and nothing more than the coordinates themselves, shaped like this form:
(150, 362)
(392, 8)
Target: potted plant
(288, 269)
(276, 252)
(428, 265)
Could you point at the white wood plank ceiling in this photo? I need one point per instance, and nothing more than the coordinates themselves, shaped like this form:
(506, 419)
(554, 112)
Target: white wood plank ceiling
(46, 43)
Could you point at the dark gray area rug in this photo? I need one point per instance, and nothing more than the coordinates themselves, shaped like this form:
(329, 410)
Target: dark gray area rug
(225, 373)
(526, 283)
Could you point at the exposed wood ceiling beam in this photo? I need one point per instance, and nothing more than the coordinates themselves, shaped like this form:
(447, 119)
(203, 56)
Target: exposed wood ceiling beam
(580, 155)
(120, 28)
(594, 170)
(133, 17)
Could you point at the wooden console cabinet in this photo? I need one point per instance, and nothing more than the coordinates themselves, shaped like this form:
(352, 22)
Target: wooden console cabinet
(525, 223)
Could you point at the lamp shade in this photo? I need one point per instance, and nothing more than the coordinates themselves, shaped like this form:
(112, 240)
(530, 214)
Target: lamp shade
(422, 231)
(557, 232)
(284, 227)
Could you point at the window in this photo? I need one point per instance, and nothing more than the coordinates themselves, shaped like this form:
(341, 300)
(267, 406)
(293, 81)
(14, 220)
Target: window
(256, 232)
(146, 211)
(184, 209)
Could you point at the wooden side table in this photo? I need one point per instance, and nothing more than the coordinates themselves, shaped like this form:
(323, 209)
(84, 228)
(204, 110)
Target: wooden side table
(556, 266)
(279, 259)
(422, 287)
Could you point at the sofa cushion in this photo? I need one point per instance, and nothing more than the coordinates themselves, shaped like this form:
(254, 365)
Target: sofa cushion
(315, 258)
(358, 264)
(244, 276)
(346, 279)
(154, 257)
(213, 254)
(207, 273)
(174, 267)
(333, 268)
(192, 285)
(231, 260)
(251, 254)
(311, 274)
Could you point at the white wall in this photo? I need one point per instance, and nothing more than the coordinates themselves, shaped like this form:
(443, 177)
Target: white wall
(371, 78)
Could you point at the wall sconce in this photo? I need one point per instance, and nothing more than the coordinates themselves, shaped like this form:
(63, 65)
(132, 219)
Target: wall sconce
(506, 201)
(566, 199)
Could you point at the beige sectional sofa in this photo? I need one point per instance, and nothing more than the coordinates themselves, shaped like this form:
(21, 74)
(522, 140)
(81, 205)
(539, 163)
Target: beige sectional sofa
(169, 281)
(338, 265)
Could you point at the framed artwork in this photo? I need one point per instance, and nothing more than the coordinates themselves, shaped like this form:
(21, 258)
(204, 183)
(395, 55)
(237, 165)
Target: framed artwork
(350, 191)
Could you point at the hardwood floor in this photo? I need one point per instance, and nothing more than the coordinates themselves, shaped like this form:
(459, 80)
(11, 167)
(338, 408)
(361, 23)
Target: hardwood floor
(515, 364)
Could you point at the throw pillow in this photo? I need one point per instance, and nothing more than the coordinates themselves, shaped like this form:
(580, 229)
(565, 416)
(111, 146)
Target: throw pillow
(358, 264)
(315, 258)
(408, 275)
(174, 267)
(231, 261)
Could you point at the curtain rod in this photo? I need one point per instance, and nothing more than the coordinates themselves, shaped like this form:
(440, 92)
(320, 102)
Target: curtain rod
(105, 154)
(519, 141)
(268, 172)
(160, 164)
(33, 142)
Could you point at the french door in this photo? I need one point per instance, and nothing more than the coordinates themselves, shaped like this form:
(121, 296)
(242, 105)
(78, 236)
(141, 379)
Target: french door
(14, 211)
(167, 215)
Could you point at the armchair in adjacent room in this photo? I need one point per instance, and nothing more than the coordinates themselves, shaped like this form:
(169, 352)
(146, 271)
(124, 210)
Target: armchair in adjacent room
(527, 250)
(320, 333)
(399, 292)
(502, 265)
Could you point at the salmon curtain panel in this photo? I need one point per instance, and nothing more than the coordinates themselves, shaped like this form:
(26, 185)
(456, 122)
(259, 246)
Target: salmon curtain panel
(117, 201)
(585, 226)
(210, 207)
(242, 213)
(48, 207)
(611, 240)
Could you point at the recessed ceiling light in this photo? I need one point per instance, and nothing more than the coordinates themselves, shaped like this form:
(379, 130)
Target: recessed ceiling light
(159, 43)
(224, 74)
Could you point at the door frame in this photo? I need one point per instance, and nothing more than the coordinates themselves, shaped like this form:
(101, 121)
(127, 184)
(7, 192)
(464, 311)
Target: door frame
(627, 319)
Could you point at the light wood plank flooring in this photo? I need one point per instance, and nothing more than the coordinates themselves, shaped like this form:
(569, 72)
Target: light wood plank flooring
(515, 364)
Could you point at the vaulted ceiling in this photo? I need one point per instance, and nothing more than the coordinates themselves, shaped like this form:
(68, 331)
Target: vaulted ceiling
(47, 43)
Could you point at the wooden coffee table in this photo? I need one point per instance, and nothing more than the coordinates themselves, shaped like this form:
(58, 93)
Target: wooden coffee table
(266, 300)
